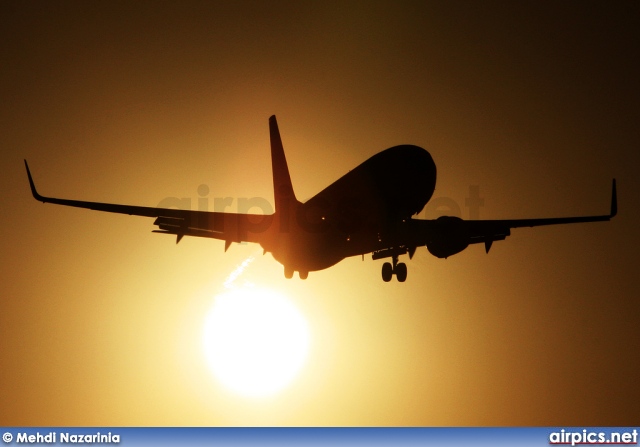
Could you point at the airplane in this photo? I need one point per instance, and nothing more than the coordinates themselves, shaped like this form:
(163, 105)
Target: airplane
(370, 209)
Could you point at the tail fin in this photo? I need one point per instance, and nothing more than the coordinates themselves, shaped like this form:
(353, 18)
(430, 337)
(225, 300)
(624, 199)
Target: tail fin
(282, 188)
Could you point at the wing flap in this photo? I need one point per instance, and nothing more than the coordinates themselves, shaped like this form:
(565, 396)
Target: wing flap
(230, 227)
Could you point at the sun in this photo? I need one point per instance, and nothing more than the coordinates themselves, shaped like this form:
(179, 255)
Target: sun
(255, 340)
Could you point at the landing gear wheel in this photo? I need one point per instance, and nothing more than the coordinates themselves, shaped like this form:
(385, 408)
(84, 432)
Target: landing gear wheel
(303, 275)
(387, 272)
(401, 272)
(288, 272)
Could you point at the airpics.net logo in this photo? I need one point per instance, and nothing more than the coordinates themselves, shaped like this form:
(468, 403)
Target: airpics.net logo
(592, 437)
(259, 205)
(61, 438)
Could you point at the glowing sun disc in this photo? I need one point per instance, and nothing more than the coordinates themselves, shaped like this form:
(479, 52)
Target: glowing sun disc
(255, 340)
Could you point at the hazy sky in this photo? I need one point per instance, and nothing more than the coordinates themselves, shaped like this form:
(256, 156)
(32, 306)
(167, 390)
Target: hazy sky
(536, 103)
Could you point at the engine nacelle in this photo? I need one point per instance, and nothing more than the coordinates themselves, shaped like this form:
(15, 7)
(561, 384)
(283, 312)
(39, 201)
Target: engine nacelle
(450, 236)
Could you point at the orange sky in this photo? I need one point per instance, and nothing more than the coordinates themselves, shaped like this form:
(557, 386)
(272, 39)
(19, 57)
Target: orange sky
(123, 102)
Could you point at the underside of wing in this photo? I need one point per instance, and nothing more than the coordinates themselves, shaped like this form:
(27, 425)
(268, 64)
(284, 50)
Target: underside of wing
(448, 235)
(230, 227)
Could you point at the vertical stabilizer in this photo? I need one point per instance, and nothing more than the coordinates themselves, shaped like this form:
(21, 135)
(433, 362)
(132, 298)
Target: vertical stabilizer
(282, 188)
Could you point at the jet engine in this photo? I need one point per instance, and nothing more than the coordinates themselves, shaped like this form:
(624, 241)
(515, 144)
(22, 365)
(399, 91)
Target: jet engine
(450, 236)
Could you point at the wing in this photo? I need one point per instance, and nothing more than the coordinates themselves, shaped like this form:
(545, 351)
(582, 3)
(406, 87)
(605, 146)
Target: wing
(488, 231)
(446, 235)
(230, 227)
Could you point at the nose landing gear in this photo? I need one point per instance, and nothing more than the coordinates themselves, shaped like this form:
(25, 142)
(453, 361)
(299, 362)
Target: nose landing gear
(398, 269)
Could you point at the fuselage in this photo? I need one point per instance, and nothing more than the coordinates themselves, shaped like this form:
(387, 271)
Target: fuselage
(356, 211)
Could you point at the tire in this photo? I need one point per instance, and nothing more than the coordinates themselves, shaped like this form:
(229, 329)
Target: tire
(387, 272)
(401, 272)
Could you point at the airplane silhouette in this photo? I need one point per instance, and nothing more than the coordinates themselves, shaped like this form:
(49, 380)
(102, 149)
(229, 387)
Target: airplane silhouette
(368, 210)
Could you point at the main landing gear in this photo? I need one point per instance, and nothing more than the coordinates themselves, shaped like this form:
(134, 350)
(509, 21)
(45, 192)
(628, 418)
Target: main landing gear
(288, 273)
(398, 269)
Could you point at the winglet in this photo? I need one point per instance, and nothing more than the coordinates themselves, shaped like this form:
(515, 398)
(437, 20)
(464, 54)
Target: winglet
(614, 200)
(33, 186)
